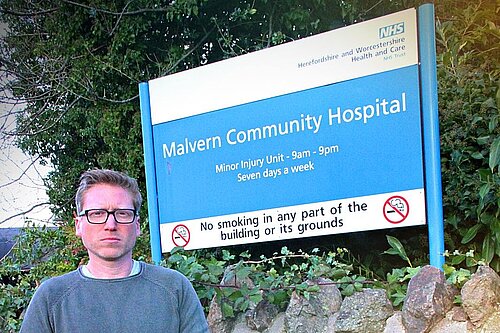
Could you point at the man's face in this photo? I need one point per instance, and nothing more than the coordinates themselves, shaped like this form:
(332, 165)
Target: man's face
(110, 241)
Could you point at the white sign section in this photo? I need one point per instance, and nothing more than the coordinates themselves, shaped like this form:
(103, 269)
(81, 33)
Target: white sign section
(358, 50)
(315, 219)
(314, 137)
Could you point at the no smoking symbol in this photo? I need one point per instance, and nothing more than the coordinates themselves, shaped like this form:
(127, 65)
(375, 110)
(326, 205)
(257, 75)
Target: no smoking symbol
(396, 209)
(180, 235)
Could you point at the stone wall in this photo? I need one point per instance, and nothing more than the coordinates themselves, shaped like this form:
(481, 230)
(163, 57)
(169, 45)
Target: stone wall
(429, 307)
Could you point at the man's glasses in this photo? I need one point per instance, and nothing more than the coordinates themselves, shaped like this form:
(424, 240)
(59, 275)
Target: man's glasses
(100, 216)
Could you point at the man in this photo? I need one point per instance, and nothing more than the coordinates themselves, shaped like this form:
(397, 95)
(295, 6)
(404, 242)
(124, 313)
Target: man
(113, 293)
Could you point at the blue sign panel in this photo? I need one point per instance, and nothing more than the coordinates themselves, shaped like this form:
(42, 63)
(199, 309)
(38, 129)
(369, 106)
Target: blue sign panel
(354, 138)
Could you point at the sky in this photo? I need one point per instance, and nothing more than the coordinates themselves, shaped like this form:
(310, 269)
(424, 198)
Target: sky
(21, 184)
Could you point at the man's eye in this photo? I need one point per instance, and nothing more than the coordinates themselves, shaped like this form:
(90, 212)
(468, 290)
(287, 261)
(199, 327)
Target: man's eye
(125, 213)
(97, 214)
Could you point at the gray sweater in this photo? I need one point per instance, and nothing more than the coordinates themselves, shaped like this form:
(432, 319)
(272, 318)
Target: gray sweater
(155, 300)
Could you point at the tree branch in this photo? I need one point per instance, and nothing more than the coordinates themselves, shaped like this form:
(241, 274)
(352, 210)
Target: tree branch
(21, 175)
(54, 123)
(25, 212)
(189, 52)
(21, 14)
(122, 13)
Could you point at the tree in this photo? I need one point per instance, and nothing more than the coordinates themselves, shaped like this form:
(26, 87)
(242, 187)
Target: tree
(77, 65)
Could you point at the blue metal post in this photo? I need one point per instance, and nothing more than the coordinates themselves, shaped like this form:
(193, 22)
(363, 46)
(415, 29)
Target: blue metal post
(149, 162)
(434, 202)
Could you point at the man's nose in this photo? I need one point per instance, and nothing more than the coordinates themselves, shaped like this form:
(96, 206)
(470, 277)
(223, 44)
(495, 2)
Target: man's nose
(110, 223)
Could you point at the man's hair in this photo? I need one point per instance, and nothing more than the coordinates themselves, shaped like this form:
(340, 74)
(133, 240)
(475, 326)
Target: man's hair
(111, 177)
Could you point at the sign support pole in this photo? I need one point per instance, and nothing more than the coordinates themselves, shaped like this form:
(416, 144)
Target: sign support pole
(147, 137)
(430, 116)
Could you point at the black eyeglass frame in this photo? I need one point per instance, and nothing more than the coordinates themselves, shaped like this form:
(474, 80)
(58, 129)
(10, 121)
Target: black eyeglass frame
(109, 212)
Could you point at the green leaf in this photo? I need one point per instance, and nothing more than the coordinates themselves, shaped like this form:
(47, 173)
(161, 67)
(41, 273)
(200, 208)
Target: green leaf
(453, 220)
(471, 233)
(313, 288)
(484, 190)
(398, 297)
(489, 103)
(241, 304)
(412, 271)
(456, 260)
(483, 140)
(279, 297)
(494, 120)
(348, 290)
(488, 248)
(397, 248)
(243, 273)
(494, 159)
(227, 310)
(489, 220)
(477, 155)
(226, 255)
(395, 244)
(396, 274)
(256, 297)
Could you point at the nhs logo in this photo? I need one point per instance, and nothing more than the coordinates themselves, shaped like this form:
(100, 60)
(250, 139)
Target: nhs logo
(391, 30)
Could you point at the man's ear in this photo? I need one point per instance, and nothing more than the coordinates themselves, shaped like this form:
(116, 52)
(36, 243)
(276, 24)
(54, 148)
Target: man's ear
(77, 221)
(138, 227)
